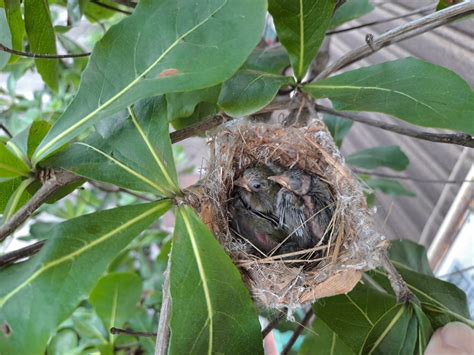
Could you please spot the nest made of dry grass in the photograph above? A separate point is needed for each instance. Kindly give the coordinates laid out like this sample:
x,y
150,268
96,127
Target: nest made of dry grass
x,y
353,242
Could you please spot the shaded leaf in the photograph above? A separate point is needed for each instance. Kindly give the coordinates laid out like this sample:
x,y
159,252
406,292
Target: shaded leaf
x,y
202,111
425,330
389,187
115,298
5,38
61,343
249,91
183,104
211,310
42,40
301,26
16,24
324,340
389,156
136,155
339,127
351,10
271,60
163,47
410,89
410,255
50,285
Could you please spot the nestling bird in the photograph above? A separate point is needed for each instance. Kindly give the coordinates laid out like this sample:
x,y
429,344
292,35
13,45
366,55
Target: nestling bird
x,y
317,200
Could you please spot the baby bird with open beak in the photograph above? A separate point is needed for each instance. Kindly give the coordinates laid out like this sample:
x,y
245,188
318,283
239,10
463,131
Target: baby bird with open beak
x,y
318,204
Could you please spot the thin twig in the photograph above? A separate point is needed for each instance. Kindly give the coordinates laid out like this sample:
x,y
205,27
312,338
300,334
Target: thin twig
x,y
403,177
296,334
108,7
42,56
131,332
401,33
14,256
5,129
49,188
125,3
378,22
458,138
114,189
457,271
270,326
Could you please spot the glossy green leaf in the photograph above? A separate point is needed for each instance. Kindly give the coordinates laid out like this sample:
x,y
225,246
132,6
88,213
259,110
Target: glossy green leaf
x,y
271,60
249,91
17,199
11,165
301,26
5,38
183,104
352,316
48,287
351,10
410,89
389,187
115,298
323,340
410,255
136,155
42,40
211,310
390,333
389,156
16,24
339,127
165,46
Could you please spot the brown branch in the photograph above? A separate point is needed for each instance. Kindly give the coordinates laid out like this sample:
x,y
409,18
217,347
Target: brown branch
x,y
378,22
401,33
131,332
5,129
402,177
42,56
50,186
14,256
108,7
459,138
270,326
296,334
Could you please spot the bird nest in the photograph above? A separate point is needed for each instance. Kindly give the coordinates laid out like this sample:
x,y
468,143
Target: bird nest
x,y
291,280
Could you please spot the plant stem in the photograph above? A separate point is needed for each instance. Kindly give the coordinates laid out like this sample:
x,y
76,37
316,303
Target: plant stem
x,y
42,56
14,256
296,334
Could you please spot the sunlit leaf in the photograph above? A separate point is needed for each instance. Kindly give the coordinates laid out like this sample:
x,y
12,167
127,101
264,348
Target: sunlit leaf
x,y
11,165
249,91
301,26
166,46
388,156
211,310
48,287
409,89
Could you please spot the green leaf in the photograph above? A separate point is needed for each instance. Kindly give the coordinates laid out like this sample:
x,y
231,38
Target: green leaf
x,y
271,60
135,155
5,38
410,255
351,10
48,287
202,111
42,40
390,332
37,132
442,4
115,298
75,9
389,156
63,342
352,316
11,165
211,310
339,127
425,330
409,89
17,199
389,187
17,27
183,104
163,47
249,91
325,340
7,188
301,26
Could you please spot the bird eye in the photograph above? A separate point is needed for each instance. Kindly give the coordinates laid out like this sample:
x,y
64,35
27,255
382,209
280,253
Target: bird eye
x,y
256,185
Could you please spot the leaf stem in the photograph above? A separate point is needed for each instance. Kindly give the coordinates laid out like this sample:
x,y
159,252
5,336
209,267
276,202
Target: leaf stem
x,y
41,56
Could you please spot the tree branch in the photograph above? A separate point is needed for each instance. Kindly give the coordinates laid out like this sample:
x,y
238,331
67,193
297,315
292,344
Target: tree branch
x,y
401,33
5,129
108,7
458,138
50,186
42,56
14,256
131,332
296,334
402,177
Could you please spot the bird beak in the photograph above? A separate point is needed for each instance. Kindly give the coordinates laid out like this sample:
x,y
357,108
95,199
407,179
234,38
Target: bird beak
x,y
280,179
242,183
